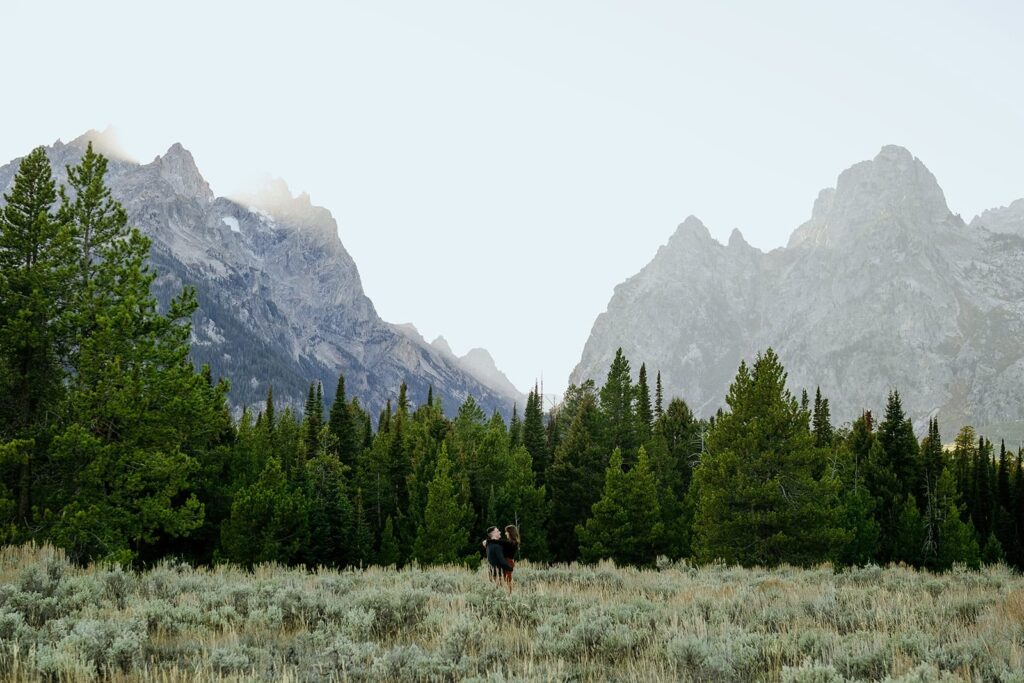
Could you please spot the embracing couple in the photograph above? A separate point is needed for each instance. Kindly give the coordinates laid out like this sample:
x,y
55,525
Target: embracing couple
x,y
501,553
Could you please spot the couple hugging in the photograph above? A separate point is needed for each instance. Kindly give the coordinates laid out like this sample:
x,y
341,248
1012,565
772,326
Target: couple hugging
x,y
501,553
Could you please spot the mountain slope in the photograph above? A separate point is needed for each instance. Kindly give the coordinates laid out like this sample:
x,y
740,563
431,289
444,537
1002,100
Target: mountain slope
x,y
281,301
882,288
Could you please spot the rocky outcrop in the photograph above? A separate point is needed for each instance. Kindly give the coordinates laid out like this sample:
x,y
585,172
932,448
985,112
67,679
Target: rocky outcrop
x,y
882,288
281,301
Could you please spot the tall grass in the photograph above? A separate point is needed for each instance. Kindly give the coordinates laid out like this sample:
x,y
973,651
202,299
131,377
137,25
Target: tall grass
x,y
715,623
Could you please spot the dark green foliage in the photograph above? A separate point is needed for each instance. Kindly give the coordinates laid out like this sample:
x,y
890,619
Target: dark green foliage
x,y
389,553
644,414
617,409
444,532
268,521
821,423
342,426
576,476
626,523
534,436
331,517
759,500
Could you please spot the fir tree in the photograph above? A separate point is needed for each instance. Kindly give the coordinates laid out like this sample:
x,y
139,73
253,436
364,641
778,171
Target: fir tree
x,y
909,534
659,397
618,415
515,429
821,424
984,507
534,435
626,524
342,426
313,420
644,415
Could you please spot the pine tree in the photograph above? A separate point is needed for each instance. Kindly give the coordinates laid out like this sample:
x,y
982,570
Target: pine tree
x,y
342,426
268,521
444,533
673,451
534,435
576,478
644,415
893,472
758,500
618,414
626,522
37,264
951,540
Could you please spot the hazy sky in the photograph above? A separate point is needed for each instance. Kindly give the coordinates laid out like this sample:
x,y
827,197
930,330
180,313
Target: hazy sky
x,y
496,168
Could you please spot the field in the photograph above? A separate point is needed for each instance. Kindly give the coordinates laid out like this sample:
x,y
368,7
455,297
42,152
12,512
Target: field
x,y
716,623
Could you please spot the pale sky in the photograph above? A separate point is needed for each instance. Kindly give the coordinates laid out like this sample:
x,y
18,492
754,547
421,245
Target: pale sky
x,y
496,168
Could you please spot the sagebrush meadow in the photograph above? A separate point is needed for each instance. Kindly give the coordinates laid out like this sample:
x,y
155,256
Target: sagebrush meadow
x,y
59,621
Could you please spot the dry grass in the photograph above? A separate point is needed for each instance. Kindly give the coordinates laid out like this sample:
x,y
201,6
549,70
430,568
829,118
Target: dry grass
x,y
176,623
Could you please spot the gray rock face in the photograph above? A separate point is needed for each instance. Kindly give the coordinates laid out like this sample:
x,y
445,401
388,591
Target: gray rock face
x,y
281,302
883,288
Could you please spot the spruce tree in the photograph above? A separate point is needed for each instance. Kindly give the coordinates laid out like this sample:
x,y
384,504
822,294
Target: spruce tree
x,y
362,537
983,495
313,420
342,426
515,429
626,524
909,534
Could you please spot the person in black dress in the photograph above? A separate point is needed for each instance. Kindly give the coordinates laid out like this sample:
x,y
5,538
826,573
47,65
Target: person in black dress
x,y
495,553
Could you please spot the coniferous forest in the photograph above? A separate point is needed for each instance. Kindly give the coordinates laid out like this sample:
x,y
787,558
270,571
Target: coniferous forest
x,y
114,447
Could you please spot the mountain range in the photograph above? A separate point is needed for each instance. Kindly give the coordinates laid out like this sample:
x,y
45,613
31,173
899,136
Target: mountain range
x,y
883,288
280,299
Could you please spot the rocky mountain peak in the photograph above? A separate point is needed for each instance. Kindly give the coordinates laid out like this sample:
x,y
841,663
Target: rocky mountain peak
x,y
178,168
275,197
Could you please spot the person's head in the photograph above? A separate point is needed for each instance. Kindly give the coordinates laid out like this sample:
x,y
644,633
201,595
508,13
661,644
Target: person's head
x,y
494,533
513,534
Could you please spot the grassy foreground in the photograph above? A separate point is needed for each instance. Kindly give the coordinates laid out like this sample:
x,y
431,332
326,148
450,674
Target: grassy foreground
x,y
61,622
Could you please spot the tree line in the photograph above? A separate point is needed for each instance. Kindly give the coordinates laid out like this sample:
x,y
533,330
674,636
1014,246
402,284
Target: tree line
x,y
114,447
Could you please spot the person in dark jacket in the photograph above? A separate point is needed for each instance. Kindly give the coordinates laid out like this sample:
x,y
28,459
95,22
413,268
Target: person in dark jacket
x,y
510,545
495,554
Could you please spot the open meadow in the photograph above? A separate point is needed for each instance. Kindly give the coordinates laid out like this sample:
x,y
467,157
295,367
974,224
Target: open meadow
x,y
715,623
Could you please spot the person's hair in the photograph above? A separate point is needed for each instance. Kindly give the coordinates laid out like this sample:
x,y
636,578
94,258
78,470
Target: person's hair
x,y
490,529
513,534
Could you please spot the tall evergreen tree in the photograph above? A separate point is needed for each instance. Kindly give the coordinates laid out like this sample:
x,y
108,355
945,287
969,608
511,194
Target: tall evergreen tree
x,y
534,436
758,498
983,495
37,263
268,521
342,426
617,408
576,477
821,424
626,523
515,428
330,514
313,420
659,397
644,414
444,532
